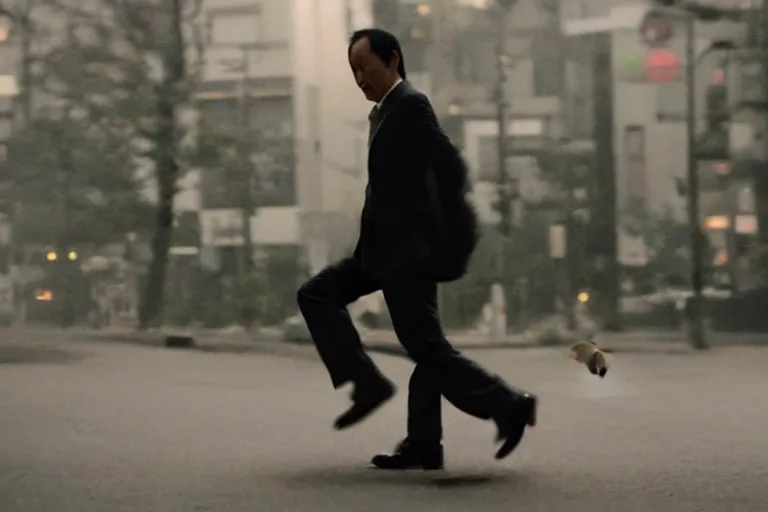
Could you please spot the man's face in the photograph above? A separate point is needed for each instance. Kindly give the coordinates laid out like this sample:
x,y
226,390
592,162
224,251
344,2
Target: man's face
x,y
372,76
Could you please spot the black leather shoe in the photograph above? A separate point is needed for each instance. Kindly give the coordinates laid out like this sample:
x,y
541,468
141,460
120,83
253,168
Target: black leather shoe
x,y
366,398
512,422
409,455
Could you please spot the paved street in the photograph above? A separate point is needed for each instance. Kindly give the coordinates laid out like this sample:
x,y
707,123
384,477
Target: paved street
x,y
110,428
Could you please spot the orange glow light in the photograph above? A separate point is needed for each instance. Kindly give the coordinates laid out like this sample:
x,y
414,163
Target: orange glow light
x,y
717,222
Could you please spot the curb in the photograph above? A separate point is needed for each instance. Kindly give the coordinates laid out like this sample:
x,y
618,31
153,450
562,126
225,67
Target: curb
x,y
270,344
398,350
274,347
265,346
638,342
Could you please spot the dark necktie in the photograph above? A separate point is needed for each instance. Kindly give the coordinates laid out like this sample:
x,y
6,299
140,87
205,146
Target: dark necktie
x,y
373,122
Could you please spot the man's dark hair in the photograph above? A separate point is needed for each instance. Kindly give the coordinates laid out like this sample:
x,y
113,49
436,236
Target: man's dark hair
x,y
383,44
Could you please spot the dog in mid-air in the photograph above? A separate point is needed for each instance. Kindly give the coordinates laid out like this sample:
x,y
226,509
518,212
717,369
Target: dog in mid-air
x,y
588,353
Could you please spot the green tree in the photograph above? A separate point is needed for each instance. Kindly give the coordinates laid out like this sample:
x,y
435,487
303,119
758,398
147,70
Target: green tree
x,y
75,185
131,66
242,164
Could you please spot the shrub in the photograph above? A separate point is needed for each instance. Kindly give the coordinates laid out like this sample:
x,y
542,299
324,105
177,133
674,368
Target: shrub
x,y
247,299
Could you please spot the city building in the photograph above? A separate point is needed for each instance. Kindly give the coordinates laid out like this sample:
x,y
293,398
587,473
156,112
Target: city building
x,y
451,48
290,55
285,63
649,89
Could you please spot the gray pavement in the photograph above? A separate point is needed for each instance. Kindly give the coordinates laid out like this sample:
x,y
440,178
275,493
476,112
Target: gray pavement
x,y
117,427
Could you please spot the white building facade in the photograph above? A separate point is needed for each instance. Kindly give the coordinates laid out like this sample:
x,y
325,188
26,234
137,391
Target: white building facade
x,y
300,88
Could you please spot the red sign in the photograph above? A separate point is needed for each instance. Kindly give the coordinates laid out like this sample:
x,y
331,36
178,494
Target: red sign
x,y
661,65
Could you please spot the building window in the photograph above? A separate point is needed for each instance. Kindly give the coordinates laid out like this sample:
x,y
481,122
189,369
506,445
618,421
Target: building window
x,y
635,143
468,54
548,64
234,25
578,116
745,200
272,116
548,76
272,153
220,111
385,13
634,159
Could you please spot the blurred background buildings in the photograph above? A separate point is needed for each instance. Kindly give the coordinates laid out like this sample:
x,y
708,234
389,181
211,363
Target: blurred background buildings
x,y
277,71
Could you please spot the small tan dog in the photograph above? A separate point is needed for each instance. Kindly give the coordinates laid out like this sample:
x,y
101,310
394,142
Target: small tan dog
x,y
588,353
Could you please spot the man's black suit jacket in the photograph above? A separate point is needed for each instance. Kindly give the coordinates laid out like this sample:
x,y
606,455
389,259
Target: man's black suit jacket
x,y
416,218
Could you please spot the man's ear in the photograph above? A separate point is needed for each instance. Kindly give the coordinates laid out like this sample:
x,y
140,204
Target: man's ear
x,y
394,62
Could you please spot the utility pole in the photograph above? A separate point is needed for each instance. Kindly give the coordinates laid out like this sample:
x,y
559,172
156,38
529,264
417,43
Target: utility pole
x,y
696,316
687,16
505,210
244,162
604,219
499,291
63,245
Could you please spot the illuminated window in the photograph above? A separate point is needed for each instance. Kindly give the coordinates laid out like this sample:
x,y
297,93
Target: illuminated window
x,y
745,200
717,223
423,9
719,76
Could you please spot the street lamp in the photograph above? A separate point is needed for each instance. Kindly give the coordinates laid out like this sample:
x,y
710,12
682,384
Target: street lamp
x,y
502,112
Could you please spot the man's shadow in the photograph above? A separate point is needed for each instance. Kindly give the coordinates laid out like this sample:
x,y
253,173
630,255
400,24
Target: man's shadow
x,y
363,476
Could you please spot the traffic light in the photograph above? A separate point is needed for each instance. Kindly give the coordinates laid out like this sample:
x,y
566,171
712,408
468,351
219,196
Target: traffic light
x,y
657,28
714,143
717,105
